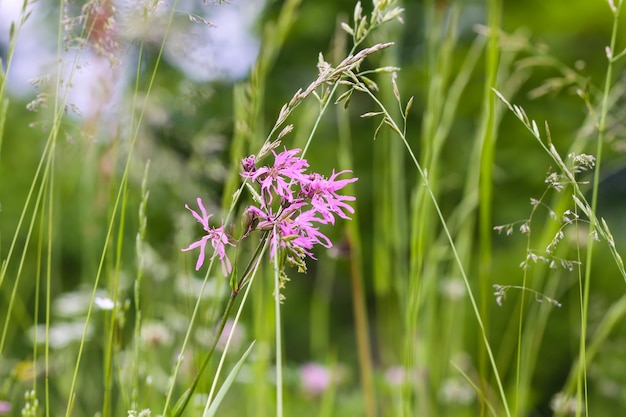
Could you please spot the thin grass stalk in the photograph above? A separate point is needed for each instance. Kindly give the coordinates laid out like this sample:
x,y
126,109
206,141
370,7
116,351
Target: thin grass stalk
x,y
38,279
423,175
260,392
422,227
74,379
443,49
513,82
37,205
358,291
471,197
360,318
582,391
249,99
356,261
116,204
13,36
4,108
388,241
536,318
31,191
424,291
48,292
263,63
494,10
248,107
438,118
520,395
412,310
58,114
388,186
139,250
535,321
328,399
245,279
182,403
462,220
353,237
618,309
278,330
232,331
114,291
325,273
48,156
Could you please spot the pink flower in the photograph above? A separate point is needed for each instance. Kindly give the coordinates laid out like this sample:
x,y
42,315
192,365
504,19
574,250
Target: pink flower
x,y
306,201
315,378
397,376
307,234
248,165
217,236
294,230
287,170
294,227
5,407
324,197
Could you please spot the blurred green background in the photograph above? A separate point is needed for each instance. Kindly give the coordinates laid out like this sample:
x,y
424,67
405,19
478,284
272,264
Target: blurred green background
x,y
550,50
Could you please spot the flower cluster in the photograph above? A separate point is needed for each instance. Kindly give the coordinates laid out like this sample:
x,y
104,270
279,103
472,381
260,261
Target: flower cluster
x,y
291,205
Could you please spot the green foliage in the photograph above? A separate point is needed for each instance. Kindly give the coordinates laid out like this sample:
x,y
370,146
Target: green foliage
x,y
445,294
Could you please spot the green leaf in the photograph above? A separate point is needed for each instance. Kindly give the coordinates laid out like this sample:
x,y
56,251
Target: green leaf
x,y
227,383
180,404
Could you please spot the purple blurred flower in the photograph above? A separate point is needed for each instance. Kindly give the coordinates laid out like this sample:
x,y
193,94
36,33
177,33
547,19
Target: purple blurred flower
x,y
396,375
315,378
216,235
5,407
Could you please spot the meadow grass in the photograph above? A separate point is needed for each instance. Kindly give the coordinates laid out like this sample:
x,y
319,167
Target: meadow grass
x,y
423,306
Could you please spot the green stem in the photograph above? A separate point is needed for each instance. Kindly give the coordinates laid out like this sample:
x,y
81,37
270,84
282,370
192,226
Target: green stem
x,y
582,376
184,400
486,182
279,341
245,280
48,294
361,323
424,176
361,319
